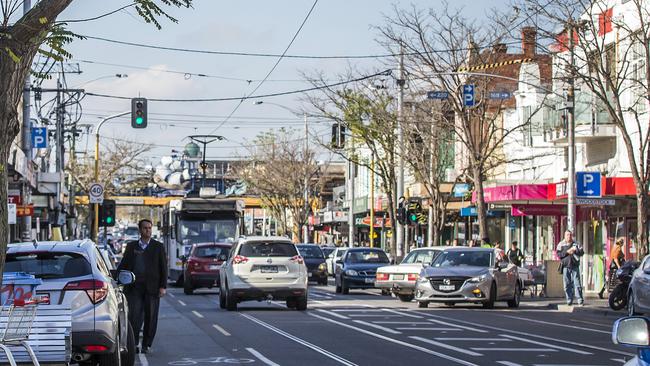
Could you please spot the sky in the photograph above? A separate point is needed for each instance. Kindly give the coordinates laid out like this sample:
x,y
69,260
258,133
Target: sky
x,y
335,27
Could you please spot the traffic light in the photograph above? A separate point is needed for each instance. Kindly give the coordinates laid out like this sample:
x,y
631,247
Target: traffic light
x,y
107,213
338,136
414,211
139,113
401,212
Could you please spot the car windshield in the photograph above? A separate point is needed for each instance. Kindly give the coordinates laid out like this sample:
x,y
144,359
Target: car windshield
x,y
48,265
132,231
310,252
367,256
421,256
268,249
463,258
207,231
209,251
341,253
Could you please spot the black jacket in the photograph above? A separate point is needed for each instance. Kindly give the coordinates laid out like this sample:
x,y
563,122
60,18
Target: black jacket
x,y
155,265
568,260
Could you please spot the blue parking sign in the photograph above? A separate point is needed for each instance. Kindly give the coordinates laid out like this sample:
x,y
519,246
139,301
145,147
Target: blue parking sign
x,y
39,137
468,95
588,184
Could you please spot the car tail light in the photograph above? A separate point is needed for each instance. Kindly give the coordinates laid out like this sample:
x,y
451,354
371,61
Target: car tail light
x,y
193,264
382,276
413,276
239,259
95,348
297,259
95,289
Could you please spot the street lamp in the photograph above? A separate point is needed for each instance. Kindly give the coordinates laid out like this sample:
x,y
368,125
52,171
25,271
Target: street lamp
x,y
119,76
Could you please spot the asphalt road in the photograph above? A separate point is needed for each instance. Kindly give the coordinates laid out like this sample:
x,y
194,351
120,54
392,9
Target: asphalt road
x,y
365,328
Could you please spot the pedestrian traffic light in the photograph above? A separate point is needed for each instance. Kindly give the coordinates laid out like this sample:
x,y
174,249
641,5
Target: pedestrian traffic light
x,y
107,213
139,112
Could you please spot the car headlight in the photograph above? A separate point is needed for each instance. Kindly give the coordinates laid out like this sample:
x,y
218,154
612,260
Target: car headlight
x,y
322,267
351,272
478,279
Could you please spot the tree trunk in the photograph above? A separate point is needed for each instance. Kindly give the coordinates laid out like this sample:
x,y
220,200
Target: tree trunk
x,y
641,221
481,209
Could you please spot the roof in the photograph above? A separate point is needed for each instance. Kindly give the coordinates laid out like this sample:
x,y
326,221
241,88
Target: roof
x,y
365,248
50,246
213,244
471,249
265,238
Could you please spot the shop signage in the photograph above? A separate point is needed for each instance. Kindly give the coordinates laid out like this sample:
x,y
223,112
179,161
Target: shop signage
x,y
461,189
12,213
473,212
538,210
596,201
27,210
560,189
129,201
15,199
378,221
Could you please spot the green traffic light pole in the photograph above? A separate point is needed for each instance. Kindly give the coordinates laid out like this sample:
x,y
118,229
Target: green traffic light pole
x,y
95,226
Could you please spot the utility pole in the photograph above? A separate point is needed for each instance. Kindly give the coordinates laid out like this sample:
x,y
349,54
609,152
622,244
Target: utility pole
x,y
432,175
305,227
570,103
351,172
372,201
27,144
59,151
400,150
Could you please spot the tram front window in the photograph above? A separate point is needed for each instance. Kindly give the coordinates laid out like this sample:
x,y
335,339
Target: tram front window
x,y
207,231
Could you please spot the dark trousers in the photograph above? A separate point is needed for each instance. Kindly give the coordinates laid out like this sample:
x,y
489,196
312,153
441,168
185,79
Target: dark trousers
x,y
143,307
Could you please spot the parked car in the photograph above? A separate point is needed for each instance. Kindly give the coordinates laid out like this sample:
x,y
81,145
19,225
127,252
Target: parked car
x,y
400,279
327,250
75,273
634,332
332,258
638,294
357,268
264,268
474,275
315,261
203,264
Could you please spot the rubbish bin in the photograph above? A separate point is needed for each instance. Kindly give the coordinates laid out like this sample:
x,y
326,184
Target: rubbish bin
x,y
18,286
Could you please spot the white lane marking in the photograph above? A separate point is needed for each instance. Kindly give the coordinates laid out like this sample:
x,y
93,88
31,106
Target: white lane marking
x,y
261,357
143,359
619,360
320,296
443,345
473,329
473,339
198,315
528,334
220,329
373,316
171,294
407,323
515,349
438,329
609,326
182,303
314,347
388,339
331,313
387,330
321,302
508,363
403,313
358,310
520,339
558,324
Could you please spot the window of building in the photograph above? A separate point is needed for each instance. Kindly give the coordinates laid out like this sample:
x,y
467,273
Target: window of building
x,y
637,78
605,22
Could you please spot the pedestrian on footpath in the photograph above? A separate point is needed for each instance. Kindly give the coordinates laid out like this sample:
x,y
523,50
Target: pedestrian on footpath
x,y
147,259
515,255
485,243
570,252
617,258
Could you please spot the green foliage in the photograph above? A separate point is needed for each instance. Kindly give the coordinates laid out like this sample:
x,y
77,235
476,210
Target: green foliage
x,y
150,11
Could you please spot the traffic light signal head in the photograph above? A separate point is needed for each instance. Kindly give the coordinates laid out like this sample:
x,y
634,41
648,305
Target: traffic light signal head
x,y
107,213
139,112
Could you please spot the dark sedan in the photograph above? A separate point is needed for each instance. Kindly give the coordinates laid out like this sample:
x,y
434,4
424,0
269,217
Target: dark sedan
x,y
315,261
202,266
357,269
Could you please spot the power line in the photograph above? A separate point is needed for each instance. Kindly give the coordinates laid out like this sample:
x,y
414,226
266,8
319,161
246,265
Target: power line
x,y
97,17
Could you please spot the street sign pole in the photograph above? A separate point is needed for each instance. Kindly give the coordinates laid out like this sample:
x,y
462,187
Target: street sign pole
x,y
571,202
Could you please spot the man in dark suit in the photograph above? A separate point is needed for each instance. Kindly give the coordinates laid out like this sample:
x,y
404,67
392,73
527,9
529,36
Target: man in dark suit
x,y
147,259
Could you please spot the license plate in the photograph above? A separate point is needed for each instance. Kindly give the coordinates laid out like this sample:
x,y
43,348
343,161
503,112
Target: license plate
x,y
370,280
269,269
447,287
214,267
398,277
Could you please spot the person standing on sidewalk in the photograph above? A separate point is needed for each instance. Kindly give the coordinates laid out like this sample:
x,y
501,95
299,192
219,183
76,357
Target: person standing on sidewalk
x,y
515,255
147,259
570,252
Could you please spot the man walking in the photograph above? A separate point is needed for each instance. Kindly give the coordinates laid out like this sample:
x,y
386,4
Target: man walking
x,y
515,255
146,258
570,252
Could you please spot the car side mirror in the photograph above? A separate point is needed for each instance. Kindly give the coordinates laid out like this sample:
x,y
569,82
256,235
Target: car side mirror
x,y
632,331
125,277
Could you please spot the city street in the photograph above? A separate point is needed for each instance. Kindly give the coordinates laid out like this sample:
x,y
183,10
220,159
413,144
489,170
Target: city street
x,y
365,328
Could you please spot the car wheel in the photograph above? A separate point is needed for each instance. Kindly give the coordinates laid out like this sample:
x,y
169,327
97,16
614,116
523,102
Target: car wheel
x,y
405,298
114,358
301,303
631,305
489,304
385,292
344,287
128,356
423,304
292,302
222,298
323,282
188,289
514,303
231,302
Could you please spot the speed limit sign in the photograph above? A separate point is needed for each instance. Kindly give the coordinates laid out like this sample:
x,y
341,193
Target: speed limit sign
x,y
96,193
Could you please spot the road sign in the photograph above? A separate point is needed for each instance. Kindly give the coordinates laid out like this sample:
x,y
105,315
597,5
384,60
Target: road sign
x,y
588,185
96,193
500,95
437,95
39,137
596,201
461,189
468,95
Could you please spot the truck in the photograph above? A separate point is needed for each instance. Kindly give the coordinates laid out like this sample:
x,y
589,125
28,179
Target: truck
x,y
195,220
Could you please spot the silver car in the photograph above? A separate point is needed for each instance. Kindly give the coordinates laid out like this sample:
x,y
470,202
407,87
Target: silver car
x,y
638,294
470,275
75,273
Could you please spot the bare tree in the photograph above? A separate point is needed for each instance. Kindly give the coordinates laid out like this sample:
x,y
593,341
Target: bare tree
x,y
278,164
21,38
441,48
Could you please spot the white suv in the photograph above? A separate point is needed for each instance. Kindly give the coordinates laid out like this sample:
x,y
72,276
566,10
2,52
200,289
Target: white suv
x,y
264,268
